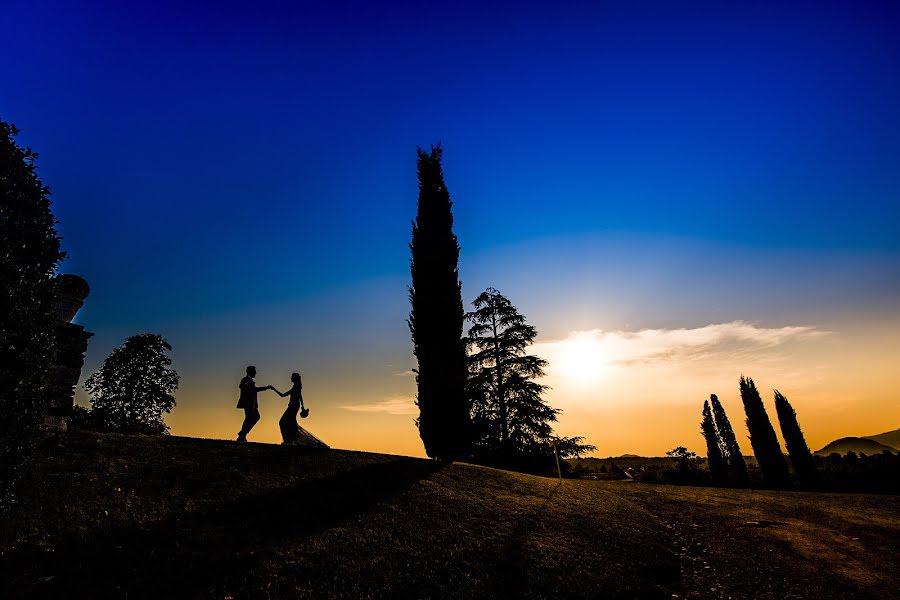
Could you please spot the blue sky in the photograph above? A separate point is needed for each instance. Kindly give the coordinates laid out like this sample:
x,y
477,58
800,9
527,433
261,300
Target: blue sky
x,y
242,179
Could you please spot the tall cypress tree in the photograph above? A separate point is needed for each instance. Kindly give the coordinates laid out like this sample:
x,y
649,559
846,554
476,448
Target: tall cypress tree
x,y
762,436
729,445
437,315
801,457
718,466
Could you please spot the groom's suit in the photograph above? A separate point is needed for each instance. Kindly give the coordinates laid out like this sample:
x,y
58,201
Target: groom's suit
x,y
248,401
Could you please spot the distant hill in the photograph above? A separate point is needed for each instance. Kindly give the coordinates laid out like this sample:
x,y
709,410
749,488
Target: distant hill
x,y
891,438
855,444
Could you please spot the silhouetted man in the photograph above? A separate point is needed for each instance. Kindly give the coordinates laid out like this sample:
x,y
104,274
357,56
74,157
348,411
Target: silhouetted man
x,y
248,402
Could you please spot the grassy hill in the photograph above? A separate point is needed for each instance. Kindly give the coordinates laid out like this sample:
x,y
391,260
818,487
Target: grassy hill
x,y
107,516
854,444
889,438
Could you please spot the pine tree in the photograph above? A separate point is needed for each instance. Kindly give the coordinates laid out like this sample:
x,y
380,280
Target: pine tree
x,y
762,436
718,466
731,451
512,421
801,457
29,256
436,317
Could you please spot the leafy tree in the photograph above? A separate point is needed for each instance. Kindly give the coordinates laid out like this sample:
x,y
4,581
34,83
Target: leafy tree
x,y
718,466
801,457
731,451
762,436
133,387
512,422
436,317
84,419
29,255
687,468
684,457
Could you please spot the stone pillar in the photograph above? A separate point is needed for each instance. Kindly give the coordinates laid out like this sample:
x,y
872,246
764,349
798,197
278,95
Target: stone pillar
x,y
71,345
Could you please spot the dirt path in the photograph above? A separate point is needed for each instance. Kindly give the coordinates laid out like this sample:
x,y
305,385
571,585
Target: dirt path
x,y
740,544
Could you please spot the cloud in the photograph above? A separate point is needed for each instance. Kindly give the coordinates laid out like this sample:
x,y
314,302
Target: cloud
x,y
737,340
396,405
626,378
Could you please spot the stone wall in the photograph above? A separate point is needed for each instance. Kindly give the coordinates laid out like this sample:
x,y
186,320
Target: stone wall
x,y
71,345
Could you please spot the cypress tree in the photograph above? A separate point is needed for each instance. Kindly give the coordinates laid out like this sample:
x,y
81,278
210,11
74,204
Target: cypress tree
x,y
801,457
718,466
436,317
728,443
762,436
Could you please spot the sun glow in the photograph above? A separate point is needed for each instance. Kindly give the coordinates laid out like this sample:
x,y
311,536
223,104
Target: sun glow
x,y
580,360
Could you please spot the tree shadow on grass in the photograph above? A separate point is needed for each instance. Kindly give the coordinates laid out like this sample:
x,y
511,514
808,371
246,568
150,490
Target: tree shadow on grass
x,y
512,575
195,554
644,570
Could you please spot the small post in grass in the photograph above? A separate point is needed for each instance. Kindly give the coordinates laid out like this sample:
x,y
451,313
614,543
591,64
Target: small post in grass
x,y
555,443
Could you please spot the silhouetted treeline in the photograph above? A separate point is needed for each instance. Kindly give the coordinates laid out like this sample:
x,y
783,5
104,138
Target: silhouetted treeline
x,y
29,256
876,473
436,317
718,466
801,457
762,436
727,464
723,450
879,473
688,468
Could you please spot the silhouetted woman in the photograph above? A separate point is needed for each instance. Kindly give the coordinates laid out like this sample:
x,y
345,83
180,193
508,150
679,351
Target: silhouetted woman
x,y
290,431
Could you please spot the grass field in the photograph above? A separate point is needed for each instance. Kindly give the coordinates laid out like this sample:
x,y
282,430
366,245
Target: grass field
x,y
99,516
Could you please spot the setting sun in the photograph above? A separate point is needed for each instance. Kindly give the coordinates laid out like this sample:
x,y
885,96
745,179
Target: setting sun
x,y
580,360
450,300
